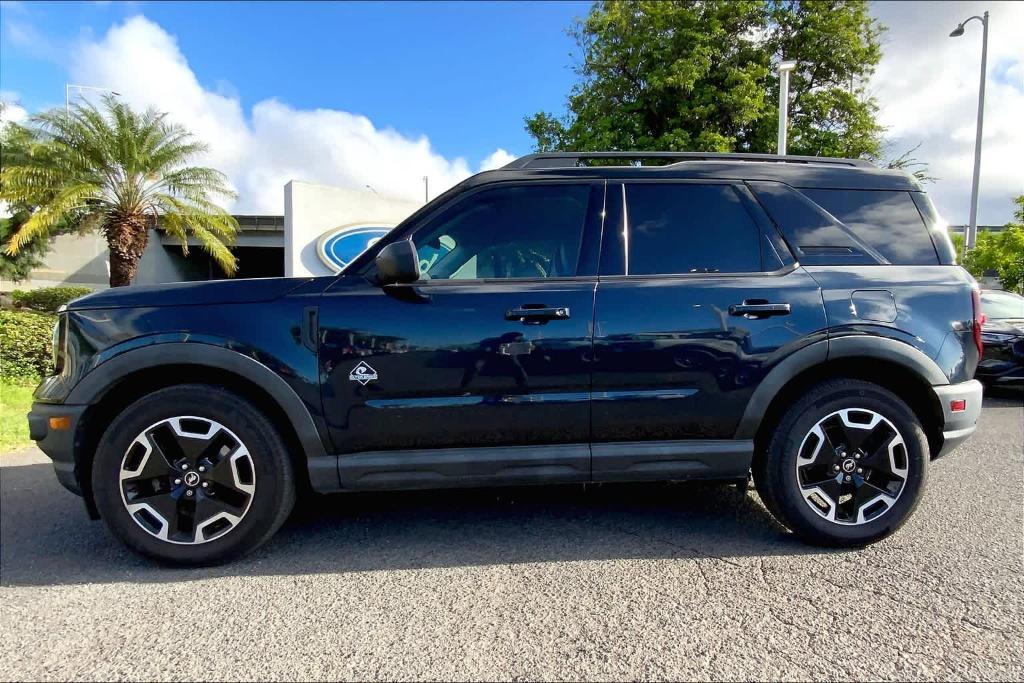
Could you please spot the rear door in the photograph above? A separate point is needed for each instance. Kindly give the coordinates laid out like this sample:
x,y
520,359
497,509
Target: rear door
x,y
491,348
698,298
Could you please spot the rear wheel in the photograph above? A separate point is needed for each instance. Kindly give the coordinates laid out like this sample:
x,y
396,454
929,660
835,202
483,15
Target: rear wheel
x,y
192,474
846,465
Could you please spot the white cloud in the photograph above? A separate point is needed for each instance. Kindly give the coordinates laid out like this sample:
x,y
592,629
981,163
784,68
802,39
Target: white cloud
x,y
497,159
927,86
12,109
274,143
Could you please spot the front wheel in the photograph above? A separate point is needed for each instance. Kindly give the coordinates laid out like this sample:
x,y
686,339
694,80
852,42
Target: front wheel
x,y
846,465
192,475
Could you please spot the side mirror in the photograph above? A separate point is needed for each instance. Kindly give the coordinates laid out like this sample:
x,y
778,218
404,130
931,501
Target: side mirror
x,y
398,263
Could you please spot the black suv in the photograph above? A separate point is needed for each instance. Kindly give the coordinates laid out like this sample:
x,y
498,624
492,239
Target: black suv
x,y
567,318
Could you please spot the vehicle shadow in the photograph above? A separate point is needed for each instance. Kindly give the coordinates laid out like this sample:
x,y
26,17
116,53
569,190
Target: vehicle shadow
x,y
46,538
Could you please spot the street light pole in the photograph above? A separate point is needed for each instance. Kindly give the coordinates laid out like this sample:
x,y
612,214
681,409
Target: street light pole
x,y
784,69
67,94
972,229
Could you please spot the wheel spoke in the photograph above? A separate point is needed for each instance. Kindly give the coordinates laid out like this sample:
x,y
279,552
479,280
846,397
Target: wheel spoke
x,y
187,480
866,471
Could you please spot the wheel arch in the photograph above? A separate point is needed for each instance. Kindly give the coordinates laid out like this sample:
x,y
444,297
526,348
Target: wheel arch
x,y
115,384
906,372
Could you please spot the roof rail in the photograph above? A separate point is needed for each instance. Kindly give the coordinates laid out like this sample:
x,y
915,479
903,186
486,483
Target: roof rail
x,y
572,159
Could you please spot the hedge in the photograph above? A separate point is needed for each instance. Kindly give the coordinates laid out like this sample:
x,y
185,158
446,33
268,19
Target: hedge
x,y
25,344
47,299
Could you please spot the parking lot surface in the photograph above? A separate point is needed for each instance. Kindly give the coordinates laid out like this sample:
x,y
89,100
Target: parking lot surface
x,y
653,581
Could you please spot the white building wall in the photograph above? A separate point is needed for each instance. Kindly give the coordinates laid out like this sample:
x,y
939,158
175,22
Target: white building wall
x,y
311,210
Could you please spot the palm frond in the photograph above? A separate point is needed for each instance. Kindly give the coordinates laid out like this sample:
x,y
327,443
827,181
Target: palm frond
x,y
115,164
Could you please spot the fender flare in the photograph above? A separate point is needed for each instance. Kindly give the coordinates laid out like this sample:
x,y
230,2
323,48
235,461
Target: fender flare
x,y
862,346
323,470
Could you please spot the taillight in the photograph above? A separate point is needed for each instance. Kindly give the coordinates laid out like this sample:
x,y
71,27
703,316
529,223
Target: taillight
x,y
978,321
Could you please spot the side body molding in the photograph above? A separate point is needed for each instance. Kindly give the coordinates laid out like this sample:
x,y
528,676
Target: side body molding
x,y
864,346
323,467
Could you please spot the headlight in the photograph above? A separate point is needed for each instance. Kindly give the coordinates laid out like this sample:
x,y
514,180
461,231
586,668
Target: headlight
x,y
59,341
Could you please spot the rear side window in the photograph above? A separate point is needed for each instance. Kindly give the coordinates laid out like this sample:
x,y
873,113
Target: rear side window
x,y
886,220
687,228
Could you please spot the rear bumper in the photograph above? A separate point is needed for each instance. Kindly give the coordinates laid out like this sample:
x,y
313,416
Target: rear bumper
x,y
958,426
58,444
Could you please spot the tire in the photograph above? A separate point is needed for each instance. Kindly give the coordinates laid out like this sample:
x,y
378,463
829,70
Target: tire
x,y
192,475
846,465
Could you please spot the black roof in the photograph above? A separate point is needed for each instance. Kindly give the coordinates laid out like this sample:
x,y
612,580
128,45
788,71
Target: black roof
x,y
797,171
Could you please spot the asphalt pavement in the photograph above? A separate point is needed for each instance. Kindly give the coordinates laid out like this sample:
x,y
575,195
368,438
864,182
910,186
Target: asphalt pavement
x,y
689,581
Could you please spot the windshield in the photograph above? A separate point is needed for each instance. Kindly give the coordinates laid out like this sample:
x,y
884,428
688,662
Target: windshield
x,y
997,305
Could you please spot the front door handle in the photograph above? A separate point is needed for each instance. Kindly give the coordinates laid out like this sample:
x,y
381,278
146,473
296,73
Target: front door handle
x,y
536,315
753,309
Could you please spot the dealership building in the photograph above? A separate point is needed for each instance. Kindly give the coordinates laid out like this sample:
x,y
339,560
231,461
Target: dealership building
x,y
266,245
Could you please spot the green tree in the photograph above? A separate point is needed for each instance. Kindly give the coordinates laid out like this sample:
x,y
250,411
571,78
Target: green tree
x,y
700,76
15,141
1000,252
118,171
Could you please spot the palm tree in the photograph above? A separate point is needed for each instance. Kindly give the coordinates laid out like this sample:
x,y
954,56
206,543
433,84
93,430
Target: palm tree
x,y
119,171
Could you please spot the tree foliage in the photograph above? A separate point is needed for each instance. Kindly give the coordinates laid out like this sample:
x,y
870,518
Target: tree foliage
x,y
1001,253
701,76
118,170
15,141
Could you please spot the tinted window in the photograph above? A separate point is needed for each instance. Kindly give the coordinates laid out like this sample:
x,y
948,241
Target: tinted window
x,y
688,228
529,231
809,229
888,221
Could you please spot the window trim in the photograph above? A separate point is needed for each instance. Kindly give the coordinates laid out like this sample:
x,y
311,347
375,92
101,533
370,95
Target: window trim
x,y
755,212
592,221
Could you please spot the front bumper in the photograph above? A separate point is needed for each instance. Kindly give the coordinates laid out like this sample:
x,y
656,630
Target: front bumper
x,y
58,443
960,425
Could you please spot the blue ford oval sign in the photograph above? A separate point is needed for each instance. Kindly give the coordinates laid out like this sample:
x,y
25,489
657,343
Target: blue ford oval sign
x,y
339,246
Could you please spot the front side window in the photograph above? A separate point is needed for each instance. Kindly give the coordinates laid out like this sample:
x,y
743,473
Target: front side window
x,y
526,231
677,228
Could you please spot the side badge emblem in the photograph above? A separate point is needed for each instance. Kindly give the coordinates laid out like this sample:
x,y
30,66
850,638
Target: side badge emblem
x,y
363,373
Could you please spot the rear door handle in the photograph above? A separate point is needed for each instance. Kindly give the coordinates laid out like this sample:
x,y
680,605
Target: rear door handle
x,y
537,315
758,308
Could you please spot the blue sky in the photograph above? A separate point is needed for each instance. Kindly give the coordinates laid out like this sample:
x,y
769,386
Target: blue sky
x,y
351,94
465,74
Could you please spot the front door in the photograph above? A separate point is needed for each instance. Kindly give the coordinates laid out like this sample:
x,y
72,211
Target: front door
x,y
489,352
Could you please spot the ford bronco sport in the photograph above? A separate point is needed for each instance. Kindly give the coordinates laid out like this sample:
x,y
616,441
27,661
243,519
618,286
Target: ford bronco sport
x,y
567,318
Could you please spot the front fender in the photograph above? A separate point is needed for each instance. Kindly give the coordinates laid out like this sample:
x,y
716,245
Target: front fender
x,y
108,374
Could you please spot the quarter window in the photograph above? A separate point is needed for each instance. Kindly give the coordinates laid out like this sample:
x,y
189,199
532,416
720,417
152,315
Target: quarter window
x,y
888,221
530,231
688,228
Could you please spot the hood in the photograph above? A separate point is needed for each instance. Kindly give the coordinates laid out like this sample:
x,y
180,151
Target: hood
x,y
205,293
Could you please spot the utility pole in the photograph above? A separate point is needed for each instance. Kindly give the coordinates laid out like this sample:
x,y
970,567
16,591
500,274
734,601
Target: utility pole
x,y
426,189
784,69
972,230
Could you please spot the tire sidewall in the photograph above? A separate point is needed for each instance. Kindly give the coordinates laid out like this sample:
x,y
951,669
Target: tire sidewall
x,y
799,422
272,497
